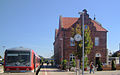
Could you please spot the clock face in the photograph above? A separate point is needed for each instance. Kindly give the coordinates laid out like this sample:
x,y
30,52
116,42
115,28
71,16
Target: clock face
x,y
77,37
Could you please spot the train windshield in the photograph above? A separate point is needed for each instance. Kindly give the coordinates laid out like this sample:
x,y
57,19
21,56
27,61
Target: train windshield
x,y
17,58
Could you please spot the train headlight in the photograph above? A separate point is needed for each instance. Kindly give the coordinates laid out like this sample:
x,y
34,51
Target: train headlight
x,y
27,69
7,69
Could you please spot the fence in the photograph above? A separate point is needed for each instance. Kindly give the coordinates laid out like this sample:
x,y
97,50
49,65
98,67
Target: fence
x,y
108,67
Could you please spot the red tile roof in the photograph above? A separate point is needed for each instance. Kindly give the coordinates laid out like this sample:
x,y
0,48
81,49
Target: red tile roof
x,y
69,21
98,26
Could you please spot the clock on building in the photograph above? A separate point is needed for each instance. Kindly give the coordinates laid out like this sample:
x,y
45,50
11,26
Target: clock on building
x,y
77,37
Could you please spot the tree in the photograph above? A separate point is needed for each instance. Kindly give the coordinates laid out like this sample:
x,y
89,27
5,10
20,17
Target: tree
x,y
115,54
41,59
52,61
113,65
88,44
86,62
0,56
52,57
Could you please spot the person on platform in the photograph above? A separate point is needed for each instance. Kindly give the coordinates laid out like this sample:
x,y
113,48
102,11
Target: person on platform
x,y
91,67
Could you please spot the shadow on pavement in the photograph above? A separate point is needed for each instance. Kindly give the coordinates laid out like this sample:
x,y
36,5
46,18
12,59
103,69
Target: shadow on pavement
x,y
48,66
53,69
38,69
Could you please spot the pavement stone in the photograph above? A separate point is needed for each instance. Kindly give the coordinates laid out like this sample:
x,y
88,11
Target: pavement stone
x,y
47,70
55,71
1,69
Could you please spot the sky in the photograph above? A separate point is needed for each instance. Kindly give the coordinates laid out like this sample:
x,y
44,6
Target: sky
x,y
32,23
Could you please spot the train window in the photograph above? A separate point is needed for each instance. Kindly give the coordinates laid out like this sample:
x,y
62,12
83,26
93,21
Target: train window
x,y
18,58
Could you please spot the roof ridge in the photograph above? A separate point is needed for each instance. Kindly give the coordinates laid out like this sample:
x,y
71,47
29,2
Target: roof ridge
x,y
69,21
70,17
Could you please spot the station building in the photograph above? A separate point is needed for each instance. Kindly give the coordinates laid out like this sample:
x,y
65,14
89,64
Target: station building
x,y
63,48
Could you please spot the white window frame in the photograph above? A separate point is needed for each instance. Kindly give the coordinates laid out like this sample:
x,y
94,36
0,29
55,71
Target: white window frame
x,y
96,41
72,42
71,56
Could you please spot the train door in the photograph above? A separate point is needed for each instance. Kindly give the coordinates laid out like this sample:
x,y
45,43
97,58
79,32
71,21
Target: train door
x,y
34,63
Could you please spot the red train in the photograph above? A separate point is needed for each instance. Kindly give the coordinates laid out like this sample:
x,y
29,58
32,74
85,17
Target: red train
x,y
21,60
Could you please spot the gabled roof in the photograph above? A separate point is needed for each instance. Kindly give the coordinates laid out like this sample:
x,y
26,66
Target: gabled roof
x,y
98,26
69,21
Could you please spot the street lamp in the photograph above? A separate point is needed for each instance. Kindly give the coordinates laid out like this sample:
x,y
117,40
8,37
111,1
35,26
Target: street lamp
x,y
77,37
82,13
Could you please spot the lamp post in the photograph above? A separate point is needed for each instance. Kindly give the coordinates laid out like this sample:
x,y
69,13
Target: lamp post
x,y
77,37
82,13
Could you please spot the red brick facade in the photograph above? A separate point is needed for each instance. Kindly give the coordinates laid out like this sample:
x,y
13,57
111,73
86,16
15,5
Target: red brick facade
x,y
62,48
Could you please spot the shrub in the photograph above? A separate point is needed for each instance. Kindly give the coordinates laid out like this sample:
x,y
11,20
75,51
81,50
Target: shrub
x,y
73,63
52,62
64,64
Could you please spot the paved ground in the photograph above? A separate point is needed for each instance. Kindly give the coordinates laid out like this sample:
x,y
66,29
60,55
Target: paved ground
x,y
54,71
17,74
1,68
48,70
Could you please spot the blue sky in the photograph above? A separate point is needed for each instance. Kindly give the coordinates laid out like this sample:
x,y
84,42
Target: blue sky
x,y
32,23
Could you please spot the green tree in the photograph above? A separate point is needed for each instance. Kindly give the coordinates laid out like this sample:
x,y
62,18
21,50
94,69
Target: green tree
x,y
88,44
41,59
0,56
86,62
116,54
113,65
64,64
52,57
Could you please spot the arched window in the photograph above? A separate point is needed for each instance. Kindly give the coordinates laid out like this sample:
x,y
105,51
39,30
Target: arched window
x,y
98,55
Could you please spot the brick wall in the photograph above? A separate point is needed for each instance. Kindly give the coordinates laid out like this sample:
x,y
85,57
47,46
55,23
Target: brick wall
x,y
62,48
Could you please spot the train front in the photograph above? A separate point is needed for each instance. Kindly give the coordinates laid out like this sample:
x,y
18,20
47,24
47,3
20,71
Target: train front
x,y
18,60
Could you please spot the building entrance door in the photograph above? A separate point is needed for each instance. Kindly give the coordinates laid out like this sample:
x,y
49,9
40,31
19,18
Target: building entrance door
x,y
97,60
